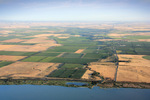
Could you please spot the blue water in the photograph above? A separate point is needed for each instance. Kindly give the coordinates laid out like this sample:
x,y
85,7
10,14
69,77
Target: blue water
x,y
44,92
76,83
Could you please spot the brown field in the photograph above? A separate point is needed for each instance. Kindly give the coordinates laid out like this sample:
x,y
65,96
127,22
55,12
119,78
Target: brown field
x,y
106,69
6,31
137,70
144,40
10,58
3,47
45,35
63,37
87,74
13,40
121,35
39,40
42,35
30,31
27,69
4,35
30,48
118,35
42,44
79,51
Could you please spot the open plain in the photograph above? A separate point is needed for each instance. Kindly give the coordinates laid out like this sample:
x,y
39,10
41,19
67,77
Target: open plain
x,y
99,52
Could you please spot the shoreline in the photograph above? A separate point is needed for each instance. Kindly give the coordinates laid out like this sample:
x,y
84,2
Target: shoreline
x,y
62,82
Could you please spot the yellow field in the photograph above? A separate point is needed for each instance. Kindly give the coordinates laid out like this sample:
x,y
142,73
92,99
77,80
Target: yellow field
x,y
56,35
5,47
79,51
6,31
106,69
87,74
137,70
10,58
144,40
27,69
43,43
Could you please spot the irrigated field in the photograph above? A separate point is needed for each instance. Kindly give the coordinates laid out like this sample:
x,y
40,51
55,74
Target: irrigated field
x,y
68,73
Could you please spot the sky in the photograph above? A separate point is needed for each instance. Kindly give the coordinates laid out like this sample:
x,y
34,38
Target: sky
x,y
75,10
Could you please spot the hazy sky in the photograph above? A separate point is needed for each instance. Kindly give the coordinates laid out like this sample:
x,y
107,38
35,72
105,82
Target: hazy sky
x,y
75,10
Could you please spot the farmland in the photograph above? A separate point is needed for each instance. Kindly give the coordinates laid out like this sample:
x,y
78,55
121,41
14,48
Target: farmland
x,y
81,52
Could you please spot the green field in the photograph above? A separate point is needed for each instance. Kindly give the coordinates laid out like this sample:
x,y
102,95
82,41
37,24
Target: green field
x,y
34,59
95,56
68,73
16,53
72,66
78,73
147,57
137,37
5,63
47,54
71,55
47,59
57,73
64,49
73,60
139,48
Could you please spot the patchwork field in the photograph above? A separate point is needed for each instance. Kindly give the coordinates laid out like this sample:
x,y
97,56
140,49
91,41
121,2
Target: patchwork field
x,y
91,51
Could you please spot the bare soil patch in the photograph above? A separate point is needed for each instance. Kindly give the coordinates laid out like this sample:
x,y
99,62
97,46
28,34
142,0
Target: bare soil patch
x,y
26,69
137,70
79,51
10,58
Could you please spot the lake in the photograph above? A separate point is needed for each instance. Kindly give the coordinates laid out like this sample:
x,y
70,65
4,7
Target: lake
x,y
45,92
